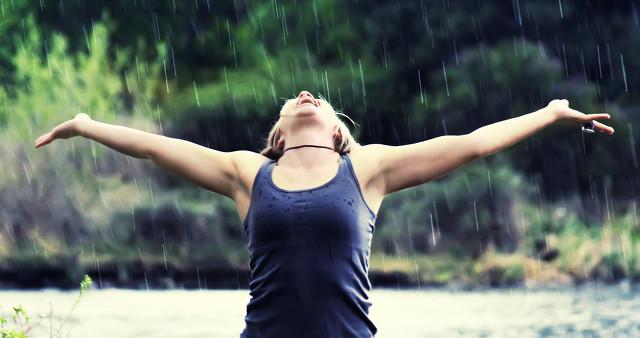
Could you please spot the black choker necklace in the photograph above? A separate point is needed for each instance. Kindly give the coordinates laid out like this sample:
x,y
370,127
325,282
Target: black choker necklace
x,y
307,145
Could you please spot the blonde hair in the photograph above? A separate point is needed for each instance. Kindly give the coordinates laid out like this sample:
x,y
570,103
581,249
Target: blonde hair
x,y
343,142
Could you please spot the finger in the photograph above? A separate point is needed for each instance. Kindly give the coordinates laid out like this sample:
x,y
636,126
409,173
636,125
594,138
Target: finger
x,y
592,117
603,127
38,141
46,141
43,142
575,112
42,137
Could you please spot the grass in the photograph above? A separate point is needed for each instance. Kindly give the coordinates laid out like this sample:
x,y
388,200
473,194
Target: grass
x,y
22,322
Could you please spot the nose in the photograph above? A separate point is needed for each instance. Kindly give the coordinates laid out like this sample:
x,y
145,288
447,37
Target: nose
x,y
304,93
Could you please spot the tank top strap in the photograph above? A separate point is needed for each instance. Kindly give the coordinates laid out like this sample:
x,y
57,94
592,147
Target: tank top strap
x,y
353,179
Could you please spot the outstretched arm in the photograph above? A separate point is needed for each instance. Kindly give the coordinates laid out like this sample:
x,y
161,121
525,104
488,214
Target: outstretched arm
x,y
400,167
500,135
211,169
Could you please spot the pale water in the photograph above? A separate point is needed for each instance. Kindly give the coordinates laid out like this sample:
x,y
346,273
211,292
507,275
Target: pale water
x,y
593,311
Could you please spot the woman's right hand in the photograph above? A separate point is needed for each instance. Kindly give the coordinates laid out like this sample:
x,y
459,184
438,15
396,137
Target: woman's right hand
x,y
66,129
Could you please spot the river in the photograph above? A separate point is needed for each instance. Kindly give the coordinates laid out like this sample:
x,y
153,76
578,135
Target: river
x,y
595,310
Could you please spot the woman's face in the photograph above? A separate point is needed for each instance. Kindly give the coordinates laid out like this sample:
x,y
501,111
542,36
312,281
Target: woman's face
x,y
306,110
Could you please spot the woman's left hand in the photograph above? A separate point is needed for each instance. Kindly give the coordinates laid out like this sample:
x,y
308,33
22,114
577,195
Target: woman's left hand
x,y
562,112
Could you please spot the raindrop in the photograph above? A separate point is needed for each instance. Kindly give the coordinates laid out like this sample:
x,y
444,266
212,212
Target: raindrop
x,y
599,62
126,81
173,61
624,74
133,219
315,13
384,51
560,6
610,63
150,190
564,57
226,81
517,12
326,79
632,145
475,212
455,52
433,235
93,249
364,92
159,120
198,276
293,78
624,252
417,275
146,282
164,256
138,69
606,201
285,32
166,81
584,67
237,277
195,90
420,85
26,173
444,71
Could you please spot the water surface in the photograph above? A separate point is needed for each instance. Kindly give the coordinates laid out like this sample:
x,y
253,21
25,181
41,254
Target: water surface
x,y
591,311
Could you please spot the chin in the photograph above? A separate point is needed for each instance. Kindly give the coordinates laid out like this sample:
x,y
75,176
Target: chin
x,y
306,111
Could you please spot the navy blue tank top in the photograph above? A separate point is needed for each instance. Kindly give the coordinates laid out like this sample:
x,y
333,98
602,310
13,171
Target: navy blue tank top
x,y
309,258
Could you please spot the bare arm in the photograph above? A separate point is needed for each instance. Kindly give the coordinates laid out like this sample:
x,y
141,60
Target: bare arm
x,y
400,167
211,169
404,166
129,141
503,134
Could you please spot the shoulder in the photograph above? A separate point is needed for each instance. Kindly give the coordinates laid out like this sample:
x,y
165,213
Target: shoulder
x,y
246,157
367,164
246,164
370,154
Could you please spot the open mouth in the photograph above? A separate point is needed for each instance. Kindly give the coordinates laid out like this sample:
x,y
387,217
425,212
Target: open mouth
x,y
307,100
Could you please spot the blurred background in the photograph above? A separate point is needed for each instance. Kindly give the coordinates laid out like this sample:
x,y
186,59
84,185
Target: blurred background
x,y
557,209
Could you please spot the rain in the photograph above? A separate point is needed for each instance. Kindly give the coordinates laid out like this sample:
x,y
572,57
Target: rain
x,y
138,142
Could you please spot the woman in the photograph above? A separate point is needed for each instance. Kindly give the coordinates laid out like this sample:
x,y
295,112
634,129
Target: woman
x,y
309,201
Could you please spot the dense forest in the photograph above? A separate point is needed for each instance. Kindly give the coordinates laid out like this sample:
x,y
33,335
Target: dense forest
x,y
560,206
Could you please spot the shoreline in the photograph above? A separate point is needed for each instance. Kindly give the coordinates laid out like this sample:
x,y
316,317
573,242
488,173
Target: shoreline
x,y
138,276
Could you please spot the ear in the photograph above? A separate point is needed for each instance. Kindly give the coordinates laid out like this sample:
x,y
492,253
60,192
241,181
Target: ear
x,y
337,134
280,142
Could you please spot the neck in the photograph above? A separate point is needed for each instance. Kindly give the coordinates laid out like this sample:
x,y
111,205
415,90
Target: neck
x,y
308,157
